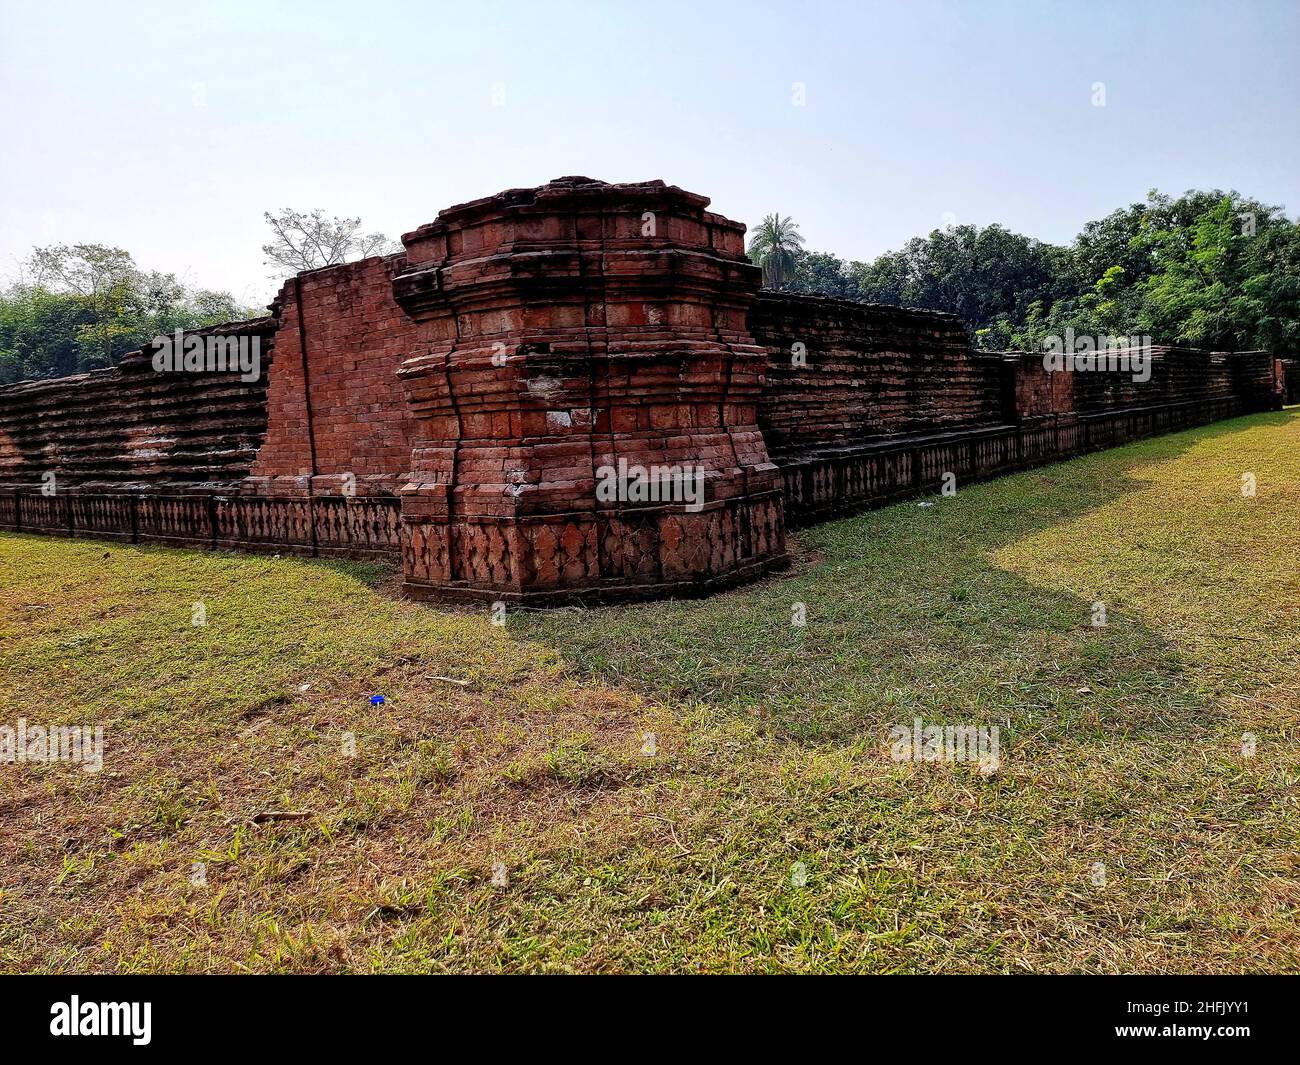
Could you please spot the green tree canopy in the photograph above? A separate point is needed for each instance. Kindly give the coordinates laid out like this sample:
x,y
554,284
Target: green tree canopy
x,y
774,246
1208,268
83,306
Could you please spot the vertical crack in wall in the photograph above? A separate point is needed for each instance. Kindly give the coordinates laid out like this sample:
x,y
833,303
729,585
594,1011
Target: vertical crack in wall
x,y
311,425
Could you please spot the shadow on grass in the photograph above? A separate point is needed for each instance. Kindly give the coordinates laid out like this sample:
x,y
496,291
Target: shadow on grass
x,y
908,614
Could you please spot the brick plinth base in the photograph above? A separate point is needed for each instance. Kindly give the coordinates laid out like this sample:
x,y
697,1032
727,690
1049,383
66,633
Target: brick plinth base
x,y
573,327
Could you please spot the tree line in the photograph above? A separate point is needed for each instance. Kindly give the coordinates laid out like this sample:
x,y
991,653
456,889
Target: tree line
x,y
81,307
1207,269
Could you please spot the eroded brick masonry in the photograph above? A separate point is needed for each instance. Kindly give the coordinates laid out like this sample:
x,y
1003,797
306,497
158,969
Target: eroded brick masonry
x,y
462,406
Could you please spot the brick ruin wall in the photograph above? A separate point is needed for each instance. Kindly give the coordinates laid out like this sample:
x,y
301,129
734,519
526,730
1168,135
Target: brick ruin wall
x,y
453,408
841,373
132,429
134,454
1291,381
339,412
881,402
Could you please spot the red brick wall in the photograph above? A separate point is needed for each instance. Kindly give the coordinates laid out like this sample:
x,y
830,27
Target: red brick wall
x,y
469,390
1037,393
134,428
871,372
1290,380
1178,375
352,419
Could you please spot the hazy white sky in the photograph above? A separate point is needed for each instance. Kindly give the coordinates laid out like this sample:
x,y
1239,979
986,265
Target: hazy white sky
x,y
168,129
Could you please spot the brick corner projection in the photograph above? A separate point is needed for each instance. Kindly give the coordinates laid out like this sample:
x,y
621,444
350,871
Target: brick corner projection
x,y
456,406
572,328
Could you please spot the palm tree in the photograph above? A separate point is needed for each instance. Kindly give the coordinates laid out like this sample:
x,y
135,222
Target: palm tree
x,y
773,247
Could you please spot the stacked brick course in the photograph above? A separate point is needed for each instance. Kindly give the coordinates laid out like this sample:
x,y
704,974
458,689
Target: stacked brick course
x,y
1180,375
454,406
1290,369
867,372
132,428
574,326
339,411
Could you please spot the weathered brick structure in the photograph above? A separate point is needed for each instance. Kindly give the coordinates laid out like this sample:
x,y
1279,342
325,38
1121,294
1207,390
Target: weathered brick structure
x,y
890,399
459,406
1291,380
567,328
336,411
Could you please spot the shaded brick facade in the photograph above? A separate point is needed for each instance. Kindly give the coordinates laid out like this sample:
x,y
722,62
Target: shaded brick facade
x,y
340,411
868,371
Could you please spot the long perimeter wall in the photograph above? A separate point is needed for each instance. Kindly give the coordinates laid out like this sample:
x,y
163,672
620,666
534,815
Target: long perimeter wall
x,y
459,406
882,402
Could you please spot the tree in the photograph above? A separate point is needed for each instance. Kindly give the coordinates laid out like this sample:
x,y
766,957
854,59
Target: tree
x,y
1208,268
101,279
819,272
38,333
773,247
1226,273
83,306
308,241
983,275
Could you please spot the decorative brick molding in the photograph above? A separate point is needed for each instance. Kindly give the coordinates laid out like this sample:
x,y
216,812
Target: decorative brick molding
x,y
364,527
574,326
457,407
826,484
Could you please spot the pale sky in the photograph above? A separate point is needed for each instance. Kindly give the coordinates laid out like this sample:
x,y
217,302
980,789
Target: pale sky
x,y
167,129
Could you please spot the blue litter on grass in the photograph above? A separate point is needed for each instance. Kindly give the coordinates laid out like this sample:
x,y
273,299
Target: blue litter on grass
x,y
376,700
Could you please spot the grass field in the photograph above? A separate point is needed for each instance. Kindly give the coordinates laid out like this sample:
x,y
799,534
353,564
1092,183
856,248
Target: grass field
x,y
1127,827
